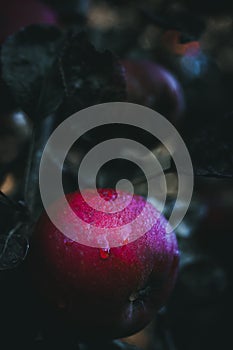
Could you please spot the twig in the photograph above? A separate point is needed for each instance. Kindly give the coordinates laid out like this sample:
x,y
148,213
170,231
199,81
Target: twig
x,y
40,136
214,175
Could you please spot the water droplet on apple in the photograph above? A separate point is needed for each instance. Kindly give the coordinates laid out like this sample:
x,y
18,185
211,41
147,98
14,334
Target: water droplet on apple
x,y
125,241
68,242
104,253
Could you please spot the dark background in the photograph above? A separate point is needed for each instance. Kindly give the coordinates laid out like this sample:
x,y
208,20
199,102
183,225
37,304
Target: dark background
x,y
193,41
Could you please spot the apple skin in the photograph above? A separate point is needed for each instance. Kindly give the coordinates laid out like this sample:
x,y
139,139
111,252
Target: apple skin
x,y
105,294
151,85
15,14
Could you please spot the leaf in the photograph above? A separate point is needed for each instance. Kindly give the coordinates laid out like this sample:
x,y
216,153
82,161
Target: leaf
x,y
13,249
212,149
89,77
27,59
39,66
13,227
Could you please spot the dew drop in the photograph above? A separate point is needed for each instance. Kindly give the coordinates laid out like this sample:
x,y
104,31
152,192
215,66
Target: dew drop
x,y
104,253
125,241
68,242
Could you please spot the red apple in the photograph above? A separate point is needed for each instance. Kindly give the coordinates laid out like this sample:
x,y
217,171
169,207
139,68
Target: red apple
x,y
152,85
15,14
105,292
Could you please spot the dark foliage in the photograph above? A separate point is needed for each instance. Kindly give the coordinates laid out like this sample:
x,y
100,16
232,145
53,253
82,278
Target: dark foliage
x,y
27,61
212,149
50,73
89,77
13,241
44,71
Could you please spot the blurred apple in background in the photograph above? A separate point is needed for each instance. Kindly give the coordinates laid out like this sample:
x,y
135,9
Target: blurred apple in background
x,y
16,14
152,85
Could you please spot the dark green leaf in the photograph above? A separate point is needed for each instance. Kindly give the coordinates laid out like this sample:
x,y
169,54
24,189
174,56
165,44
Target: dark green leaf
x,y
13,229
27,60
212,149
13,249
89,77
